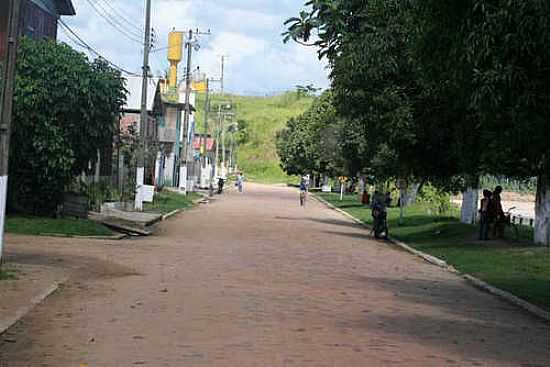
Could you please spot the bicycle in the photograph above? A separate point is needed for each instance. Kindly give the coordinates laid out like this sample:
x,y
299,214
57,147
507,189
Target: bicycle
x,y
510,225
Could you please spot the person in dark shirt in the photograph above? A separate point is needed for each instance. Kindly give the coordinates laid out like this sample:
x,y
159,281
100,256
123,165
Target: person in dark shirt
x,y
484,215
496,213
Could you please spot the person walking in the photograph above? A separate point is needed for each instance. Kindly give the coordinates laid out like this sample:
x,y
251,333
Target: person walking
x,y
240,182
303,191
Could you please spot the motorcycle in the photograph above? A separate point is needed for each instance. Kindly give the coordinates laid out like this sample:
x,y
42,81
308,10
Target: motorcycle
x,y
221,182
380,222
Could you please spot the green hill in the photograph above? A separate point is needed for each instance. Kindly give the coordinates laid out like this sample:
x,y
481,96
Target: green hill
x,y
263,116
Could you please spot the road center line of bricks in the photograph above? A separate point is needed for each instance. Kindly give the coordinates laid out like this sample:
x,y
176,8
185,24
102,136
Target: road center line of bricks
x,y
478,283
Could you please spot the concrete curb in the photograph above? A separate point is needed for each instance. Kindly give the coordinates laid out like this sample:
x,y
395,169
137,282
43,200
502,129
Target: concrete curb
x,y
23,311
177,211
478,283
115,237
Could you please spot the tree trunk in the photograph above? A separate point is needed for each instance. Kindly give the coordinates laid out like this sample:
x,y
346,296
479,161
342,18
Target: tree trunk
x,y
411,194
542,211
468,212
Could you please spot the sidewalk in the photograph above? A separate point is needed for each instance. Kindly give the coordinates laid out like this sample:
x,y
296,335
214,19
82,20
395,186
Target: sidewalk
x,y
32,284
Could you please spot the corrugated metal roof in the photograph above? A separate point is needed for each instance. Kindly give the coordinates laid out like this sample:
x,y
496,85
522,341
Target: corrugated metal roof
x,y
133,99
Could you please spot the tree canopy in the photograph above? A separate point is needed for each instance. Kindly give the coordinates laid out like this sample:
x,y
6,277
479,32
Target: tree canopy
x,y
65,110
437,89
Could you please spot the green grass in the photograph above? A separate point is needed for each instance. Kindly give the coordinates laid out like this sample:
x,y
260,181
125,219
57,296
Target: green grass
x,y
7,274
265,117
166,202
61,226
518,267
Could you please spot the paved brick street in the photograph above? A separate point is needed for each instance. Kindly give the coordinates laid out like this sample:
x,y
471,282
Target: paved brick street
x,y
255,280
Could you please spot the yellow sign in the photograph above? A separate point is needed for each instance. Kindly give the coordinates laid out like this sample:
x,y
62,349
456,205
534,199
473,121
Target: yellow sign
x,y
199,86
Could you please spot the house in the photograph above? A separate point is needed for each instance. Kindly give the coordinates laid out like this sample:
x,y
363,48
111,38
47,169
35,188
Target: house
x,y
172,137
164,131
130,121
38,18
204,146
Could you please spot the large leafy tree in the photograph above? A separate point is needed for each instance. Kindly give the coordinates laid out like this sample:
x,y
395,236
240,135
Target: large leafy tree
x,y
508,48
310,142
490,59
65,109
377,87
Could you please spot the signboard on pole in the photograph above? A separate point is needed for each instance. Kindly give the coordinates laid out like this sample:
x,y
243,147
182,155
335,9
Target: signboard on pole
x,y
147,193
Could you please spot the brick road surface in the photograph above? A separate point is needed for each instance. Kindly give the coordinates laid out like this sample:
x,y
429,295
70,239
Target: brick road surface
x,y
255,280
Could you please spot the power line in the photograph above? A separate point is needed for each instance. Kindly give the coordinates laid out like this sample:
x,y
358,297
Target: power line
x,y
79,41
122,17
114,23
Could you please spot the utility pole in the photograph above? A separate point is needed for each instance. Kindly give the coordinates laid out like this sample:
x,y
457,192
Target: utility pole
x,y
218,138
223,144
234,127
6,107
222,76
187,113
204,139
144,116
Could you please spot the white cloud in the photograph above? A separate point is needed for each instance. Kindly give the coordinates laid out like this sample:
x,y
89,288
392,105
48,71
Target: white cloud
x,y
247,31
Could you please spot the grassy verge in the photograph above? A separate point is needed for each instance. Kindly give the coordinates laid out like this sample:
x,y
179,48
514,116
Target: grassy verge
x,y
166,202
61,226
7,274
518,267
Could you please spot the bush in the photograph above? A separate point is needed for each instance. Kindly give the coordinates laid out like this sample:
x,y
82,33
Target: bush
x,y
437,200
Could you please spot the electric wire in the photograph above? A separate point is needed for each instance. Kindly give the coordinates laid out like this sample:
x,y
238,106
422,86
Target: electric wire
x,y
79,41
115,21
138,29
131,36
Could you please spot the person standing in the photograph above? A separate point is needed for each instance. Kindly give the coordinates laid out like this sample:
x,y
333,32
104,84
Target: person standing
x,y
484,216
497,213
365,198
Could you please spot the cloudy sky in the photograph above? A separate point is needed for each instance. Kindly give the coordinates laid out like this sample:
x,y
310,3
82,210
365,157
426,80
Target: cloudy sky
x,y
247,31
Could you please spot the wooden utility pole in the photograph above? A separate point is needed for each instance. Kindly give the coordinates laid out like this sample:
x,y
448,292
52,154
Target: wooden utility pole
x,y
6,103
144,117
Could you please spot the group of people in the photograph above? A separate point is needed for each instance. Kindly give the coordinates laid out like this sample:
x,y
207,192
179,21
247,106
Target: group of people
x,y
491,215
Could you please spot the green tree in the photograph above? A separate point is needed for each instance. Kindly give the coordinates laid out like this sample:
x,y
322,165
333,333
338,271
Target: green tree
x,y
492,57
377,88
310,142
65,108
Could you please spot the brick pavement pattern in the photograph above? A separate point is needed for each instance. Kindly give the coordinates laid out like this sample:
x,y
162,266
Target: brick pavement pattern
x,y
253,279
